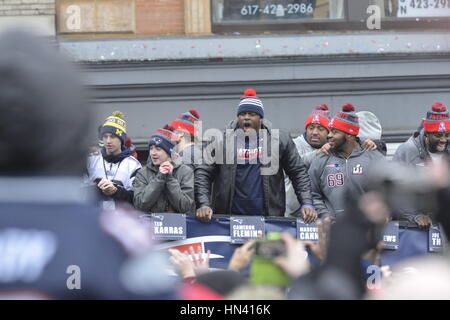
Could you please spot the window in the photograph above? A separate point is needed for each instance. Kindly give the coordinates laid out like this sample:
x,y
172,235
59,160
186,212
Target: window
x,y
247,16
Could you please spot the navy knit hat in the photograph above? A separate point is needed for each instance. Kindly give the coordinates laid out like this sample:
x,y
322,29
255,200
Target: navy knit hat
x,y
251,103
164,138
116,125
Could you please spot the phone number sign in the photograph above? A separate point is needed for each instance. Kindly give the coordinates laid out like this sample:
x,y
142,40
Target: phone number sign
x,y
271,9
424,8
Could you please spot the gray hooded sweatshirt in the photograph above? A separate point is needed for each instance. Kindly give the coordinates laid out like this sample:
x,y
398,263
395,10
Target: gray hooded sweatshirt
x,y
332,176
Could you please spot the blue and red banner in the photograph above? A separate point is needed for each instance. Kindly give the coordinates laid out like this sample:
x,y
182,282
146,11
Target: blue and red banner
x,y
215,236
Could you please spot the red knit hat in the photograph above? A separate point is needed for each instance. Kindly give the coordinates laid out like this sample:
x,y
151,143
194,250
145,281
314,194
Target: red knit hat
x,y
346,120
186,121
437,119
320,115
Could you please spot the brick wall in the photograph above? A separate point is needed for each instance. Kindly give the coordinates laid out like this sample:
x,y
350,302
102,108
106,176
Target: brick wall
x,y
159,17
27,7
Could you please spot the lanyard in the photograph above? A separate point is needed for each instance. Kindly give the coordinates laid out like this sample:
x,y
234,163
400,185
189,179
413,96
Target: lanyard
x,y
104,168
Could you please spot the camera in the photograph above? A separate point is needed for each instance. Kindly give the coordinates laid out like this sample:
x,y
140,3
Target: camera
x,y
270,249
262,270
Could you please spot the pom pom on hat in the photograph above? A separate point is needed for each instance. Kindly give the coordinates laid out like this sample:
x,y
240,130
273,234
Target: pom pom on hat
x,y
116,125
346,120
164,138
194,113
438,107
118,114
323,107
320,115
186,122
437,120
348,107
248,93
251,103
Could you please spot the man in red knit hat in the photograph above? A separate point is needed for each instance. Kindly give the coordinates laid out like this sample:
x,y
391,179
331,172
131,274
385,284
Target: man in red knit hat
x,y
344,169
311,144
430,143
186,130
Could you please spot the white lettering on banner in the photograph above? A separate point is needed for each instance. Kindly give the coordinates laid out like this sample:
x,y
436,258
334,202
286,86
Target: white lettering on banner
x,y
389,238
24,254
436,239
308,229
244,227
308,236
168,230
246,233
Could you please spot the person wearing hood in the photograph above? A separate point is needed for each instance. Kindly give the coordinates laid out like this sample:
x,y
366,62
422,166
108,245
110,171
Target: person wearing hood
x,y
113,169
430,143
164,185
370,131
251,181
344,170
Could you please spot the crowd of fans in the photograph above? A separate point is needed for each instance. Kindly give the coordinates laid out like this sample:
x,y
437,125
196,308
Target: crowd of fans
x,y
251,168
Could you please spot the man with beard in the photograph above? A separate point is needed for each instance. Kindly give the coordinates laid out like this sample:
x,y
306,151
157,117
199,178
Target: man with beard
x,y
250,185
313,142
113,169
344,170
428,144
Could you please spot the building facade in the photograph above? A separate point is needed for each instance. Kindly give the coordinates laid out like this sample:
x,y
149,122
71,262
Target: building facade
x,y
153,59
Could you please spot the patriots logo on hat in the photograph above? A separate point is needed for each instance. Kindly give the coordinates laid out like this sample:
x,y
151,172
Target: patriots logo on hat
x,y
441,127
157,140
331,123
316,119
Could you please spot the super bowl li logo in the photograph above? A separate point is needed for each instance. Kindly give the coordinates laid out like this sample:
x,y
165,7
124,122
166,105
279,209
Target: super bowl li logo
x,y
357,169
